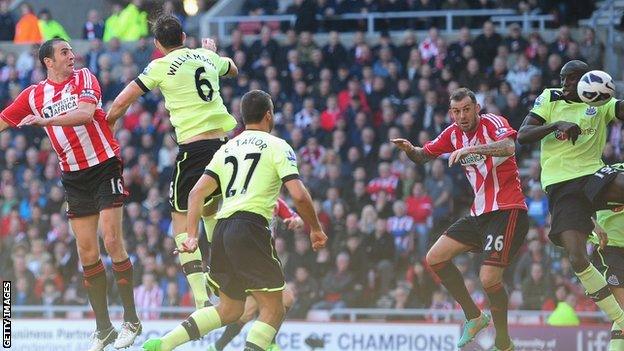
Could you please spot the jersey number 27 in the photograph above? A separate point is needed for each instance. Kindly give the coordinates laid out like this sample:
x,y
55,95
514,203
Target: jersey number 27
x,y
255,157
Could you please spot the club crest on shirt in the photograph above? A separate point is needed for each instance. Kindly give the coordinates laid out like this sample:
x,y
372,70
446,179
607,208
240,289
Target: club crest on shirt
x,y
64,105
290,156
472,159
613,280
538,101
591,111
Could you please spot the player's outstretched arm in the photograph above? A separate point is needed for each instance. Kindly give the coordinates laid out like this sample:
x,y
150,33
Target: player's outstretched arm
x,y
416,154
131,93
80,116
501,148
303,203
533,129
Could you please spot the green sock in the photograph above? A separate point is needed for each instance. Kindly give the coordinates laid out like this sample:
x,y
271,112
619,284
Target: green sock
x,y
197,325
210,223
617,339
261,334
594,282
192,267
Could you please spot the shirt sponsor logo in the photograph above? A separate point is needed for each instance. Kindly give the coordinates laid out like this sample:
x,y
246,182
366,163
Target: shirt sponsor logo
x,y
472,159
60,107
559,135
591,111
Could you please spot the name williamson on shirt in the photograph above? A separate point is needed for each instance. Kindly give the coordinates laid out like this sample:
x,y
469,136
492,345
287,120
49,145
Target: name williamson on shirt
x,y
62,106
177,63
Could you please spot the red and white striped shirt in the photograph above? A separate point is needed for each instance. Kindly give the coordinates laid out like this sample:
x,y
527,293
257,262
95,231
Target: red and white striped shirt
x,y
495,180
78,147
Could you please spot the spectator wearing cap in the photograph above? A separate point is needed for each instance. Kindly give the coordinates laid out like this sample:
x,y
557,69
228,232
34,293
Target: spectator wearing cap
x,y
27,28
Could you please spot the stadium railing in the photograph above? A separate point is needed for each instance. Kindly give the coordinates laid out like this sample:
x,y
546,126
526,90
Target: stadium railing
x,y
222,22
527,21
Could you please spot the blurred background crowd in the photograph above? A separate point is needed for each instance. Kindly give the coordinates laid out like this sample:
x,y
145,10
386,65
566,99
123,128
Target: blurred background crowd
x,y
337,102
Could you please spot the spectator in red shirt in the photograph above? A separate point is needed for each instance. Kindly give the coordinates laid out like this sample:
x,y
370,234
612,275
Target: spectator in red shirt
x,y
420,207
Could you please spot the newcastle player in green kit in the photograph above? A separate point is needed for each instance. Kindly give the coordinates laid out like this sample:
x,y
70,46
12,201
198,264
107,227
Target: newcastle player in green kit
x,y
573,135
248,172
608,257
189,81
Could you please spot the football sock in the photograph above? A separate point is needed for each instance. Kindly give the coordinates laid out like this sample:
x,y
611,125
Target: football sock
x,y
598,290
617,338
123,272
453,282
192,267
260,336
95,283
499,303
198,324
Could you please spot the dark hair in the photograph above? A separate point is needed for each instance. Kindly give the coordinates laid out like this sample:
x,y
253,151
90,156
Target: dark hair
x,y
168,31
47,49
254,105
461,93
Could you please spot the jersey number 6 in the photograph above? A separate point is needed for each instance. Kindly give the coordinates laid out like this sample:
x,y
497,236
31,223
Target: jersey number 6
x,y
199,83
255,157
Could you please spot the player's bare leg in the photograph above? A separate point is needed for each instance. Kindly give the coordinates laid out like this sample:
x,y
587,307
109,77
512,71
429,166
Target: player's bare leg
x,y
574,242
439,259
192,265
270,317
110,223
492,280
251,311
615,190
94,275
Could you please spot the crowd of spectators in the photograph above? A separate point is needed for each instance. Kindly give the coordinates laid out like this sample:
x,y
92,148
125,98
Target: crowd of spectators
x,y
338,105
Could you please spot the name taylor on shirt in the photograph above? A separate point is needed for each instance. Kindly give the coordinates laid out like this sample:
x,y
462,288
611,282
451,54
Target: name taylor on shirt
x,y
177,63
251,140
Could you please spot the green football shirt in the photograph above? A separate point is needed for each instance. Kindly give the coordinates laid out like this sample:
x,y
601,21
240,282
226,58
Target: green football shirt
x,y
250,170
612,221
560,159
189,81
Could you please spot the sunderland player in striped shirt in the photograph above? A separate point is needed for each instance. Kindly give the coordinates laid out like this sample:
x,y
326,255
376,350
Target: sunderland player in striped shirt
x,y
68,106
572,136
189,81
608,257
498,223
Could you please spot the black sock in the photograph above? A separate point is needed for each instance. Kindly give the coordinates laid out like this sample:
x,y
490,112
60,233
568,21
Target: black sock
x,y
124,276
231,330
95,282
252,347
499,303
454,283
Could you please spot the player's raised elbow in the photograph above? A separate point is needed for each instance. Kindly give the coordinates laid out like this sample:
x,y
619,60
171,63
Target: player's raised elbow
x,y
232,71
524,136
